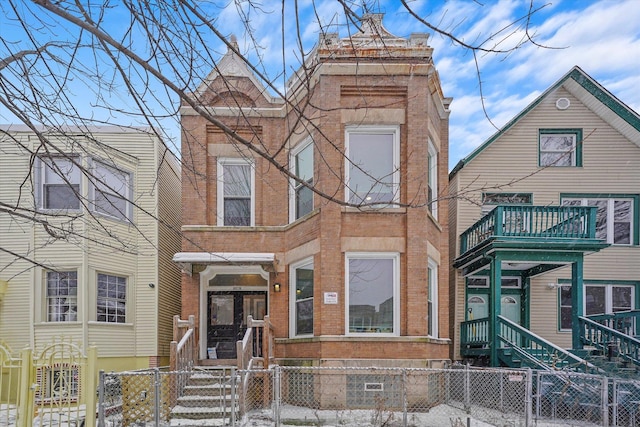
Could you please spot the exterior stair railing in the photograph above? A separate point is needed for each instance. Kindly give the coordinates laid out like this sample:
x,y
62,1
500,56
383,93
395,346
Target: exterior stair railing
x,y
608,339
257,343
183,354
623,321
515,336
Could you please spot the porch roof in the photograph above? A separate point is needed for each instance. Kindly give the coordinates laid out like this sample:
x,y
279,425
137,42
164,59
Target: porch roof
x,y
546,235
186,260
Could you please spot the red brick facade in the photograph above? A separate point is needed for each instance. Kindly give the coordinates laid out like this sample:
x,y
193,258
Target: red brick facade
x,y
391,82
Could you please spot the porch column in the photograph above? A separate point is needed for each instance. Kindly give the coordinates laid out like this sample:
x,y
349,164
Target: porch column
x,y
577,301
495,282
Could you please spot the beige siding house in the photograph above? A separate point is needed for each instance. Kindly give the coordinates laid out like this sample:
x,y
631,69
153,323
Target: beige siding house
x,y
86,253
576,145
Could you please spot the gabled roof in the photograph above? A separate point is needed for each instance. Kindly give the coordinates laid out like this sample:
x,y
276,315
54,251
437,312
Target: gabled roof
x,y
231,65
628,120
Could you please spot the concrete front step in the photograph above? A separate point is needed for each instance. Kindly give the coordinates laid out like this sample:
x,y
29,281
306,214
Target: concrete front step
x,y
194,401
206,400
214,422
199,412
207,390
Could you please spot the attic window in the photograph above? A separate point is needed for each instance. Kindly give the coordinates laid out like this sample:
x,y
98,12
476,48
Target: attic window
x,y
560,147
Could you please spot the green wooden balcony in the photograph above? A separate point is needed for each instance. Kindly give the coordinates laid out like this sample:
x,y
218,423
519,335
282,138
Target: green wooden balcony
x,y
521,222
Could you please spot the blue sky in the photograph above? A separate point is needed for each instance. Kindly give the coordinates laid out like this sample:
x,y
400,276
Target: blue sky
x,y
602,37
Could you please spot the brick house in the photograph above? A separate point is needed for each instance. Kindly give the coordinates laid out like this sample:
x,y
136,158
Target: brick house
x,y
357,269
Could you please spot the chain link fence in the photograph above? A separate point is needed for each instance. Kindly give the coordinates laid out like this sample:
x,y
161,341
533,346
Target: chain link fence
x,y
460,396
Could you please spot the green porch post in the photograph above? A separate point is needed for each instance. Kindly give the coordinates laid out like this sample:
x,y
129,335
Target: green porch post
x,y
577,301
495,282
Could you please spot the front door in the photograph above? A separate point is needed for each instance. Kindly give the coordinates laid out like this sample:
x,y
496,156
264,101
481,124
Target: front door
x,y
227,314
510,307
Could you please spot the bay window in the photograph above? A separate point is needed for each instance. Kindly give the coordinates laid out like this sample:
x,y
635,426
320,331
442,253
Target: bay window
x,y
62,296
58,183
372,165
432,165
111,191
372,293
302,166
301,286
112,299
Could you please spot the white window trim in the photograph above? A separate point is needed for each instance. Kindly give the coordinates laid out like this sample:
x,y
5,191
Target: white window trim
x,y
610,215
43,299
395,130
486,285
433,178
40,177
292,296
220,187
608,295
433,297
128,196
395,256
128,308
292,168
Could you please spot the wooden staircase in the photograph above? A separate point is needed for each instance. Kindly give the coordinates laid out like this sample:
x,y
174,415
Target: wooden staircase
x,y
207,399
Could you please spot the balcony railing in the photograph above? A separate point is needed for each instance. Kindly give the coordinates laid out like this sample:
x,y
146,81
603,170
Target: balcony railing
x,y
558,222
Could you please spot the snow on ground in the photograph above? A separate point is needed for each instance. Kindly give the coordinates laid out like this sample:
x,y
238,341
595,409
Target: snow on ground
x,y
438,416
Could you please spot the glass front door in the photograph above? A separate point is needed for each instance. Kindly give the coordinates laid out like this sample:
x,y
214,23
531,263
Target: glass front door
x,y
227,314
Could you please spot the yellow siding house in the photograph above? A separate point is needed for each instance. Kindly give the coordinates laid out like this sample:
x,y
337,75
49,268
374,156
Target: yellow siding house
x,y
89,222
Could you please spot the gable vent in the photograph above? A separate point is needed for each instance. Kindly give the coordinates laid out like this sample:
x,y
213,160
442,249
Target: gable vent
x,y
563,103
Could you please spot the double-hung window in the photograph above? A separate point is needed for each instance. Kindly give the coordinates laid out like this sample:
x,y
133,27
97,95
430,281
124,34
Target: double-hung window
x,y
301,285
111,191
58,185
372,294
432,298
614,216
560,147
235,192
372,165
432,165
111,299
302,167
62,296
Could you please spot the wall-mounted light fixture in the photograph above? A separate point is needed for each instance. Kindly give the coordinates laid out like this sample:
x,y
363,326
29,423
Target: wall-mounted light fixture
x,y
552,285
277,287
151,285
